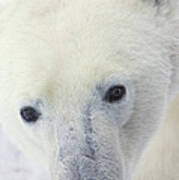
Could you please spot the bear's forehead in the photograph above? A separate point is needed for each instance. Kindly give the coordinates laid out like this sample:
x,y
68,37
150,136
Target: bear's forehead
x,y
40,8
48,60
82,47
81,37
78,31
66,58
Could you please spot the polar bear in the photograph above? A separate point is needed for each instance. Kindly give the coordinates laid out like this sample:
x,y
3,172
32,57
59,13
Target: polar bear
x,y
85,86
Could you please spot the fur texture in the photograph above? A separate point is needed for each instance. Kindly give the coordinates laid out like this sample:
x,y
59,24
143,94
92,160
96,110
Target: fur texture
x,y
61,57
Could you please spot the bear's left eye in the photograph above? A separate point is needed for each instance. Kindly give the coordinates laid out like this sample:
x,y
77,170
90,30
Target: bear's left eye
x,y
29,114
115,93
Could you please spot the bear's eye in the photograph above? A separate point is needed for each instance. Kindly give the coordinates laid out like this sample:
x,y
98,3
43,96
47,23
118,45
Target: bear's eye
x,y
115,93
29,114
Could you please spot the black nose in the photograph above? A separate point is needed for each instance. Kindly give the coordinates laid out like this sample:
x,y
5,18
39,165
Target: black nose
x,y
29,114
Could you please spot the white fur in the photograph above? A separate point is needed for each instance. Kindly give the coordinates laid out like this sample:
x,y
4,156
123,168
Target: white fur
x,y
160,160
62,56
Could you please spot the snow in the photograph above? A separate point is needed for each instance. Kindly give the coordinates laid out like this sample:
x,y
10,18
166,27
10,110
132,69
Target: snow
x,y
15,165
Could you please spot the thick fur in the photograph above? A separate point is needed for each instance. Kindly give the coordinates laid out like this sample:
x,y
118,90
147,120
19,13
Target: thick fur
x,y
160,160
61,57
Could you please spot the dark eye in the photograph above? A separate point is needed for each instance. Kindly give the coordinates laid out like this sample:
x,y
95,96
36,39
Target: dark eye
x,y
115,93
29,114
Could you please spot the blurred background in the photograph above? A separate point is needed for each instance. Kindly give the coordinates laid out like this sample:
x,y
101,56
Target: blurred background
x,y
14,165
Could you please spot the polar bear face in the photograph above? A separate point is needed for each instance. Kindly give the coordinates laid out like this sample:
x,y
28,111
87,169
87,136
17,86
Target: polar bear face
x,y
84,85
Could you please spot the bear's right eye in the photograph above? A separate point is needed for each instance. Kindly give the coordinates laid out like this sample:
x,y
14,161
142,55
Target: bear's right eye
x,y
29,114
